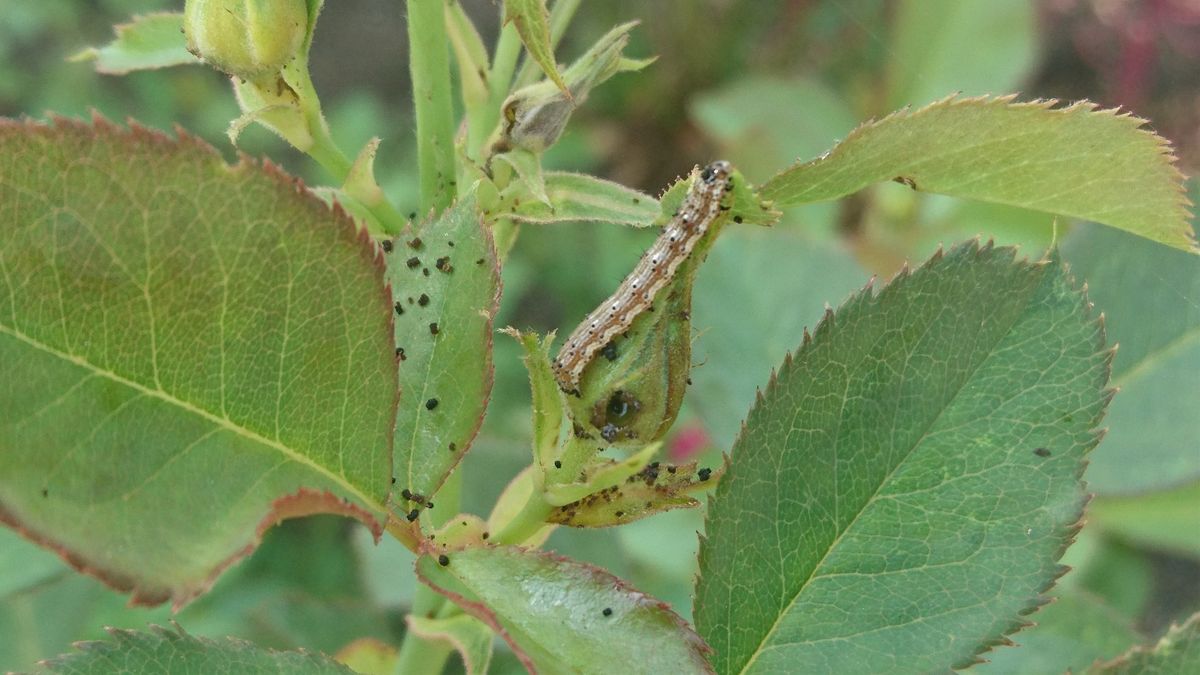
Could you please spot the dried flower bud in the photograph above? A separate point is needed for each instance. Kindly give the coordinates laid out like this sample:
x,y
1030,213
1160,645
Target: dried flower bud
x,y
246,38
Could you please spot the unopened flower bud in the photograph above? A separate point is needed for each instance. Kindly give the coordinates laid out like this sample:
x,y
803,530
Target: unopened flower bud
x,y
246,38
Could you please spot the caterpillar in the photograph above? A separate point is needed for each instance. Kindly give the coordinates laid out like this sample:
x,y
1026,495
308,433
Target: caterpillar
x,y
654,271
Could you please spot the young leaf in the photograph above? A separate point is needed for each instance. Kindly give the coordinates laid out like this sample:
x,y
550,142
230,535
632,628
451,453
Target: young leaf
x,y
561,615
533,25
911,474
469,636
446,286
580,198
150,652
1075,161
1177,652
150,41
189,351
1150,296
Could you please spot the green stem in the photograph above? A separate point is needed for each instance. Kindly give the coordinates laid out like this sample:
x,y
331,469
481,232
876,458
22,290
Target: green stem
x,y
417,655
530,519
429,64
504,64
331,158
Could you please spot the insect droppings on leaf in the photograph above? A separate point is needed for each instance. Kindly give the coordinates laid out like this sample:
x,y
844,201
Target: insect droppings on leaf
x,y
431,404
443,560
1041,452
423,300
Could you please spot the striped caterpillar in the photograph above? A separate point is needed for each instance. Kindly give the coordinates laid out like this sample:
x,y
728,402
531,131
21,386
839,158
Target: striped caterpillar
x,y
654,271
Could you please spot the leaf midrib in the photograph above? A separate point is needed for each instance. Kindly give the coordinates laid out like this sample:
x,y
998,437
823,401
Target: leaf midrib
x,y
219,420
884,481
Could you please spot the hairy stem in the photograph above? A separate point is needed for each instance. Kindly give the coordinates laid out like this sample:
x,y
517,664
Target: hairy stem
x,y
429,64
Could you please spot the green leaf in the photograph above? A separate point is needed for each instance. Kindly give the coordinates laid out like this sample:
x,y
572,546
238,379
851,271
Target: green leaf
x,y
446,281
533,25
1167,521
743,334
1177,652
1150,296
909,474
1069,634
469,636
974,47
581,198
561,615
1075,161
150,652
189,351
150,41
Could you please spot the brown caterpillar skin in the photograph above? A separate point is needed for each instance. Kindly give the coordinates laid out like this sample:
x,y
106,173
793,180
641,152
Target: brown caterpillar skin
x,y
658,265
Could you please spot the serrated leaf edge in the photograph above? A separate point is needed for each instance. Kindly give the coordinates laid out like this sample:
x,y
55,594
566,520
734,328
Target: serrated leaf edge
x,y
305,501
867,294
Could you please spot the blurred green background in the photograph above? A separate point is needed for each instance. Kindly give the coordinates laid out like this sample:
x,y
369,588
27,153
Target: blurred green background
x,y
761,83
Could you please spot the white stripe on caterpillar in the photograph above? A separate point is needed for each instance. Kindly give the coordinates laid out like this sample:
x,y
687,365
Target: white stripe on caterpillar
x,y
654,271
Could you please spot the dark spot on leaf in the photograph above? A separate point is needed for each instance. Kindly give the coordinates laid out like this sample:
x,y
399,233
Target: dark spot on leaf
x,y
443,264
400,354
607,611
479,262
557,464
620,514
1041,452
906,180
431,404
387,245
737,219
412,262
443,560
450,242
423,300
703,474
433,328
412,215
399,308
393,480
413,515
45,492
486,535
406,494
453,447
425,271
414,243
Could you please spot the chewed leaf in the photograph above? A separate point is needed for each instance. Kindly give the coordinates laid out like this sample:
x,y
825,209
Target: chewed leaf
x,y
911,473
130,651
560,615
446,287
581,198
1074,161
150,41
189,352
654,489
